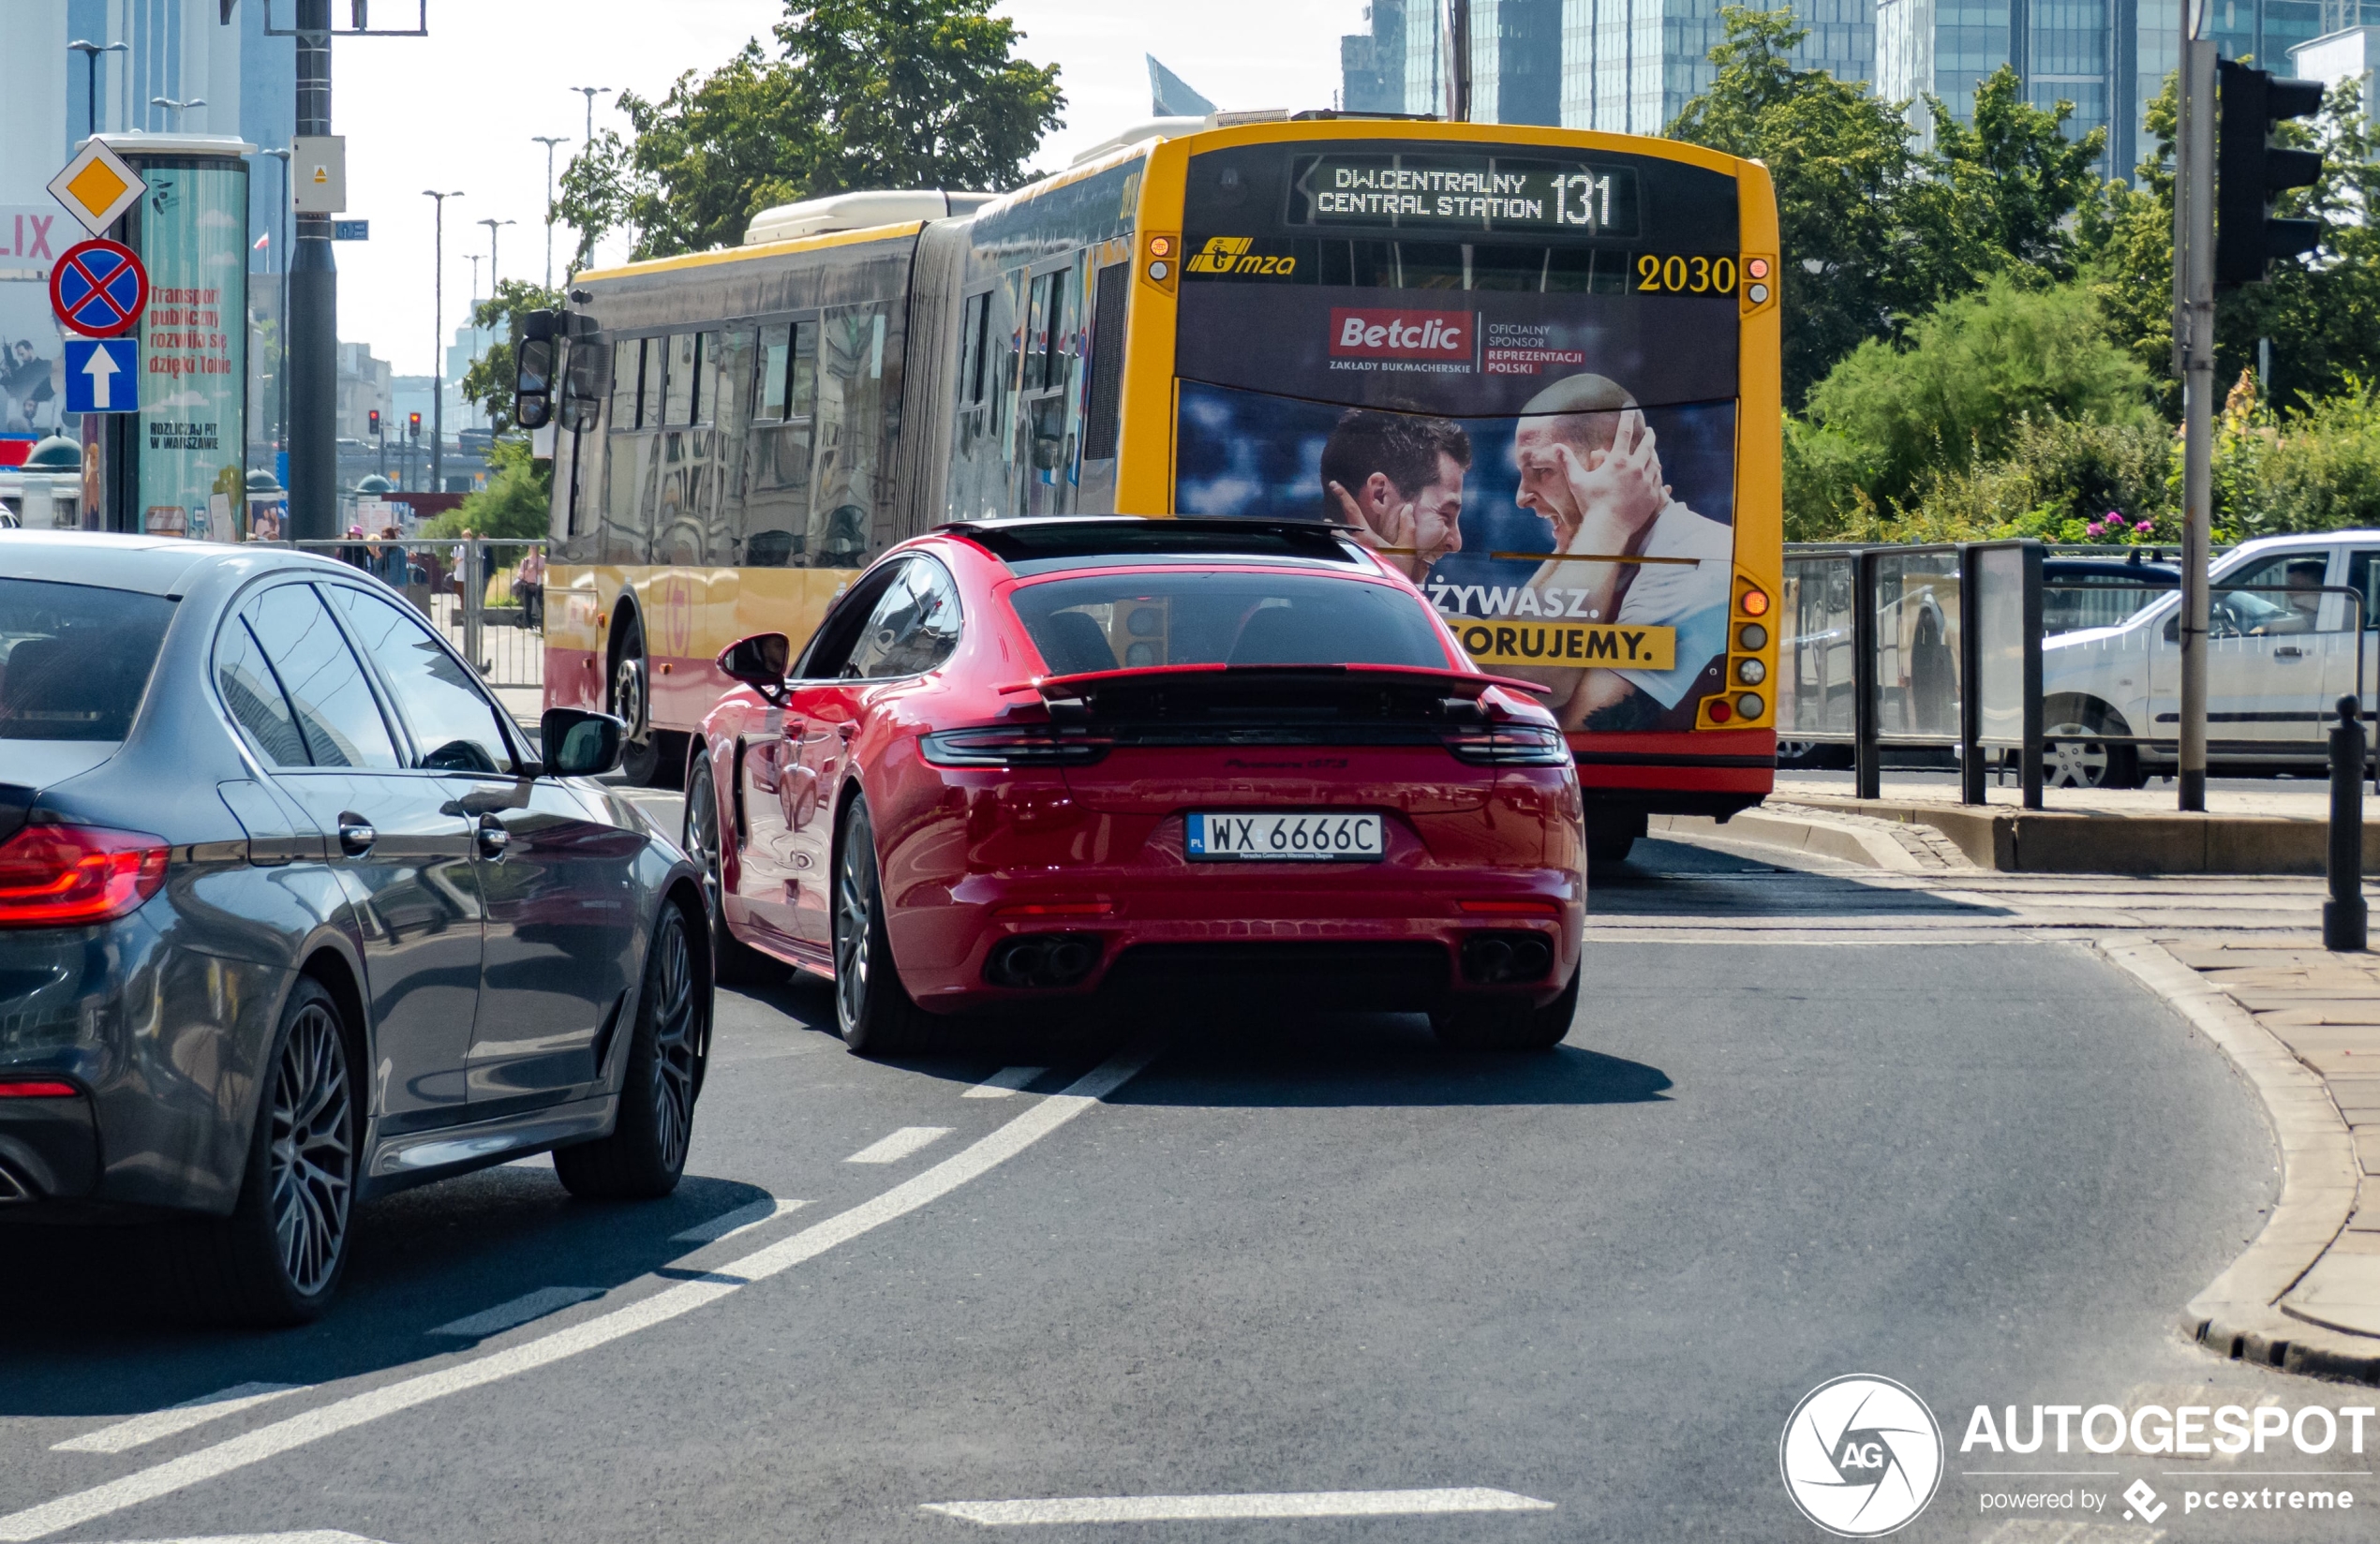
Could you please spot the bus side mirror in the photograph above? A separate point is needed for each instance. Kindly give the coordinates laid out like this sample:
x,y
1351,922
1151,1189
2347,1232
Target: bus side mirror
x,y
533,371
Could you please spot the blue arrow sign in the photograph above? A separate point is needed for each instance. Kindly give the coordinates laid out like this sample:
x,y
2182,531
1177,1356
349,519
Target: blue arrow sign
x,y
103,376
350,230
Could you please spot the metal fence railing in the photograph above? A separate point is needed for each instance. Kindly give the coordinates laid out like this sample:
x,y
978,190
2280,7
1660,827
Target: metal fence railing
x,y
2075,679
486,594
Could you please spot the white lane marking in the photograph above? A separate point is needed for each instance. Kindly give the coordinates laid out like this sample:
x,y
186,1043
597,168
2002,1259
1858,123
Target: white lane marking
x,y
310,1535
1202,1509
728,1223
900,1145
530,1305
125,1435
1004,1083
969,1162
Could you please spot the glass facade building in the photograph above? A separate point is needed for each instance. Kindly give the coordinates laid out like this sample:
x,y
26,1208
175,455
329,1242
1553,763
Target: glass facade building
x,y
1628,66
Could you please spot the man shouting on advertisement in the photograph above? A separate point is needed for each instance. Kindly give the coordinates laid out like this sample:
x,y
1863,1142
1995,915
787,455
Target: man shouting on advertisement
x,y
1642,557
1397,479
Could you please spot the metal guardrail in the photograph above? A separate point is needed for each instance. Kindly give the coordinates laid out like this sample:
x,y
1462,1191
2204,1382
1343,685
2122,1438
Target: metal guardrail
x,y
487,594
1880,643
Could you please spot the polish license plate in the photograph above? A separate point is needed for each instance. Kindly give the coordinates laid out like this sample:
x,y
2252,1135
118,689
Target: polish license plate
x,y
1284,836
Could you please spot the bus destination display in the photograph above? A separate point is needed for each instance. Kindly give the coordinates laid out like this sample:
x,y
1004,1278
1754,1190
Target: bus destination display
x,y
1465,193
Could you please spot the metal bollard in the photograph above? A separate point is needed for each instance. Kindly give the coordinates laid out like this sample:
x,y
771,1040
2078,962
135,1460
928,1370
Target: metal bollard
x,y
2343,915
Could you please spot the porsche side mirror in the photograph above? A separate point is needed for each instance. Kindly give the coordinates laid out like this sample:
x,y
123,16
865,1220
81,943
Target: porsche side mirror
x,y
579,744
759,660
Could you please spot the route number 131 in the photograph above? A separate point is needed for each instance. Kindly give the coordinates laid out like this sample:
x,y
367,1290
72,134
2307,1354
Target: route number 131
x,y
1592,194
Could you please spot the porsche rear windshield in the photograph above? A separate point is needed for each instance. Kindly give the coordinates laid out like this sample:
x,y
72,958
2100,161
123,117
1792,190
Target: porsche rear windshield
x,y
1113,621
75,659
1040,546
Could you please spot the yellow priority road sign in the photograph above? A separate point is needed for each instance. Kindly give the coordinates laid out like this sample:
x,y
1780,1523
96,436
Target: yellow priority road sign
x,y
96,185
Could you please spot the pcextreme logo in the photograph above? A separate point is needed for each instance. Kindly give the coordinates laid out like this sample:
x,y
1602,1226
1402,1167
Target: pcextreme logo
x,y
1861,1456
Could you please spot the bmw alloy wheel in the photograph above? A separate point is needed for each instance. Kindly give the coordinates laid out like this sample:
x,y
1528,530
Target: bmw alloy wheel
x,y
311,1150
675,1032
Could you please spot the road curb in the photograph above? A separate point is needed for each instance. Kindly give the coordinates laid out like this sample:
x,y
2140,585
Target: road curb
x,y
1818,838
2240,1314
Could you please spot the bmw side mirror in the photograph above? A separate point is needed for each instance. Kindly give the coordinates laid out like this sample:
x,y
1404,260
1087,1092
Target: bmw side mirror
x,y
760,661
579,744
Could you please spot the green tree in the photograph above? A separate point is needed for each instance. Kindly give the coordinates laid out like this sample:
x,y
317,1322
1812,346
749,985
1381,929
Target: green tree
x,y
1842,163
517,501
1874,232
2009,185
863,94
2321,312
1974,368
488,383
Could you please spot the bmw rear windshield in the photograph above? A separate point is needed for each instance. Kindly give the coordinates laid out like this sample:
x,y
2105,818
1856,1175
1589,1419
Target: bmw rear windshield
x,y
75,659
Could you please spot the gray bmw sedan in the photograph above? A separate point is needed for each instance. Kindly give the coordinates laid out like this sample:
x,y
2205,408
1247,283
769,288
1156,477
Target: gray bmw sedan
x,y
292,916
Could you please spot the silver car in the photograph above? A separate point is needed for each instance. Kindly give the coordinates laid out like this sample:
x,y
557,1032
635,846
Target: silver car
x,y
2280,654
292,916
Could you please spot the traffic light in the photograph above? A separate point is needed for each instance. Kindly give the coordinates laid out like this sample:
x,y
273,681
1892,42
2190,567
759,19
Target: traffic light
x,y
2250,169
376,424
412,426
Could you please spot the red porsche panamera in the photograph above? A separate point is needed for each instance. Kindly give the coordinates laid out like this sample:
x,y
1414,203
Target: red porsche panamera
x,y
1027,762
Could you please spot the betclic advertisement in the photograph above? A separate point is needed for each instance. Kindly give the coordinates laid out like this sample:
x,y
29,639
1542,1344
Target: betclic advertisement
x,y
1556,472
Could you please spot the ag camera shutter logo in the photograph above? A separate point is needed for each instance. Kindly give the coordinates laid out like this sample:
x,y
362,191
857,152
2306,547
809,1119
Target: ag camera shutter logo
x,y
1861,1456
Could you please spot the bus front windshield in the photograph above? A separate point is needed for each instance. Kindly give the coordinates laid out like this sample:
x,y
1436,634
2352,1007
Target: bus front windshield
x,y
1505,368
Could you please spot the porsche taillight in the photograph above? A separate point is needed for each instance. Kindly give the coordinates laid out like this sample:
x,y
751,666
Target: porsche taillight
x,y
54,876
1022,746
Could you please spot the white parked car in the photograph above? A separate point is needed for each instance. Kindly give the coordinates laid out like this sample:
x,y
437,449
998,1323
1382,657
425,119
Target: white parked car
x,y
2276,662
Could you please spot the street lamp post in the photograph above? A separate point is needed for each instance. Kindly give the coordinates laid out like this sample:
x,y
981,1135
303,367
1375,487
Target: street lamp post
x,y
590,93
90,52
493,225
549,142
438,339
281,323
176,108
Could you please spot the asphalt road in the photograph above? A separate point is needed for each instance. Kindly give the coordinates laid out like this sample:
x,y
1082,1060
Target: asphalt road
x,y
1279,1256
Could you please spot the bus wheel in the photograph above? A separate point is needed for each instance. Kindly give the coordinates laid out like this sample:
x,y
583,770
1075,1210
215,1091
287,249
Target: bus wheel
x,y
641,757
1611,833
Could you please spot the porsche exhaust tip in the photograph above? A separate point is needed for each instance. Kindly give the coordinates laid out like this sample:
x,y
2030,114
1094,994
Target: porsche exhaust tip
x,y
1497,960
1042,960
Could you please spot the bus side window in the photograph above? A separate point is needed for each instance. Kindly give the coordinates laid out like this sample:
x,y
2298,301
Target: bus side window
x,y
851,431
771,530
730,385
1102,422
1038,333
775,344
628,374
971,349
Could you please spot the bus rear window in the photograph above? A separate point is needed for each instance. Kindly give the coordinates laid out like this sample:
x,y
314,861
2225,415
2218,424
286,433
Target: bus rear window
x,y
74,658
1203,617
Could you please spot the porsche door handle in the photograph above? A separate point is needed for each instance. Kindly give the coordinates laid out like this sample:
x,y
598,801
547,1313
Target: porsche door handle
x,y
2289,651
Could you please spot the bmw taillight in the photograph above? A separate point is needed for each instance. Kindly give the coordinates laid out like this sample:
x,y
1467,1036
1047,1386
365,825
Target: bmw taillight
x,y
54,876
1024,746
1510,745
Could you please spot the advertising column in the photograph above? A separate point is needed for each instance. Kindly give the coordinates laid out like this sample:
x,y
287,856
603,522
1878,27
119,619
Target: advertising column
x,y
185,453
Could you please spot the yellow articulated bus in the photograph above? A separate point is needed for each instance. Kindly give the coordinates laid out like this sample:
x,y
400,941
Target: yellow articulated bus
x,y
1536,368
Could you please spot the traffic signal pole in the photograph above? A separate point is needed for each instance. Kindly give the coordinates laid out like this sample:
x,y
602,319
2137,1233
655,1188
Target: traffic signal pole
x,y
2195,359
311,380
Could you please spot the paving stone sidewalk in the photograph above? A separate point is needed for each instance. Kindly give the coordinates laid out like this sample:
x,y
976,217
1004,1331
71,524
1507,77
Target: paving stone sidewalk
x,y
2325,1009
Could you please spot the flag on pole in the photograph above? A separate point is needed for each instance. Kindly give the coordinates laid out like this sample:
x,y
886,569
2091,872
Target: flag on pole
x,y
262,241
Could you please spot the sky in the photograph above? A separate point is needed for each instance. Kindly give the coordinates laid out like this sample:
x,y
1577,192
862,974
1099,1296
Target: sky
x,y
458,110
